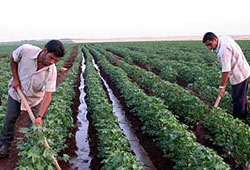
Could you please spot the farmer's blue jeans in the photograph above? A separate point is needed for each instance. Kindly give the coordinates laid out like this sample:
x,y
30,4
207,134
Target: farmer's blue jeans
x,y
11,116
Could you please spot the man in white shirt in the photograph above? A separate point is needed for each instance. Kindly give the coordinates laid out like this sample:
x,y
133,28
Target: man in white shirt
x,y
234,67
34,71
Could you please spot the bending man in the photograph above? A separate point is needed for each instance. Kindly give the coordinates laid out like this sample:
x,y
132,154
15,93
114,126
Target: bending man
x,y
34,71
234,67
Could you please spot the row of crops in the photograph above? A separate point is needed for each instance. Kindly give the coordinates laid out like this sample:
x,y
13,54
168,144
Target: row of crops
x,y
171,136
199,71
169,86
114,148
221,126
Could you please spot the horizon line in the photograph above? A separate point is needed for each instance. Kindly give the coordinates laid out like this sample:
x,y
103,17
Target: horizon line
x,y
128,39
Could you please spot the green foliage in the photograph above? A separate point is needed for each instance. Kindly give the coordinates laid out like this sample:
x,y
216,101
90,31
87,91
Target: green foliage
x,y
172,137
191,109
114,148
230,133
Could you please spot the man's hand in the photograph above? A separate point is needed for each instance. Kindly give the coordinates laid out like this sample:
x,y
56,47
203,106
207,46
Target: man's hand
x,y
39,121
43,107
222,91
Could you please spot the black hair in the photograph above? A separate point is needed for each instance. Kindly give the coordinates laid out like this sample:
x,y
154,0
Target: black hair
x,y
209,36
56,47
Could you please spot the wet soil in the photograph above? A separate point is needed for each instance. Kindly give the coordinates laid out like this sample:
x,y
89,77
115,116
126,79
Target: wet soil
x,y
10,162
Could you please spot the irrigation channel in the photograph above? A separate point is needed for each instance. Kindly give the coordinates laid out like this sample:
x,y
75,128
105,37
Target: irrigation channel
x,y
82,160
124,124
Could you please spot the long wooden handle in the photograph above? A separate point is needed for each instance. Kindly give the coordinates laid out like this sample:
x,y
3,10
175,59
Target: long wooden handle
x,y
21,95
53,156
32,117
216,104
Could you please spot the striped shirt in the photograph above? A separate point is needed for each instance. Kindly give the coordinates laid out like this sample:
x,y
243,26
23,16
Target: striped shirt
x,y
34,83
232,60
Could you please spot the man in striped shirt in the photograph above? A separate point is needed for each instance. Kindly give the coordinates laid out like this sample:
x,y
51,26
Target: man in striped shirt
x,y
234,67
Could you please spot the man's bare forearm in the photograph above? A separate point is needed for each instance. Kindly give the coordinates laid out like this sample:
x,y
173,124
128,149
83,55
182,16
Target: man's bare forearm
x,y
224,79
223,84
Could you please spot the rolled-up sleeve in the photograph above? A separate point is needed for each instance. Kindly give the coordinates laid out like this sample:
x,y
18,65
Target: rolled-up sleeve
x,y
17,54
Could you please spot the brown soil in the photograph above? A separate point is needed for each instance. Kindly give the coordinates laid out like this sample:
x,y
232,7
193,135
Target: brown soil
x,y
10,162
182,82
68,64
141,65
156,71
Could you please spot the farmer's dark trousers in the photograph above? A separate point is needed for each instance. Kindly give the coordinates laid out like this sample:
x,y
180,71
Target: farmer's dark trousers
x,y
239,99
12,114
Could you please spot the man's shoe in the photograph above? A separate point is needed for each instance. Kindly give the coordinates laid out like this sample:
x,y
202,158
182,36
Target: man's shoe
x,y
4,151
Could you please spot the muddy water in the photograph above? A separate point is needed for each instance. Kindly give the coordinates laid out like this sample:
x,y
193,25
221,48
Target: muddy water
x,y
82,161
126,127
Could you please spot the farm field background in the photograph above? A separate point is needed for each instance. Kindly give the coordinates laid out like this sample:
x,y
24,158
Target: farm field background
x,y
165,87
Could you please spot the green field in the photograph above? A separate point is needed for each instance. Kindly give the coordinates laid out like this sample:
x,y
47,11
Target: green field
x,y
170,86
